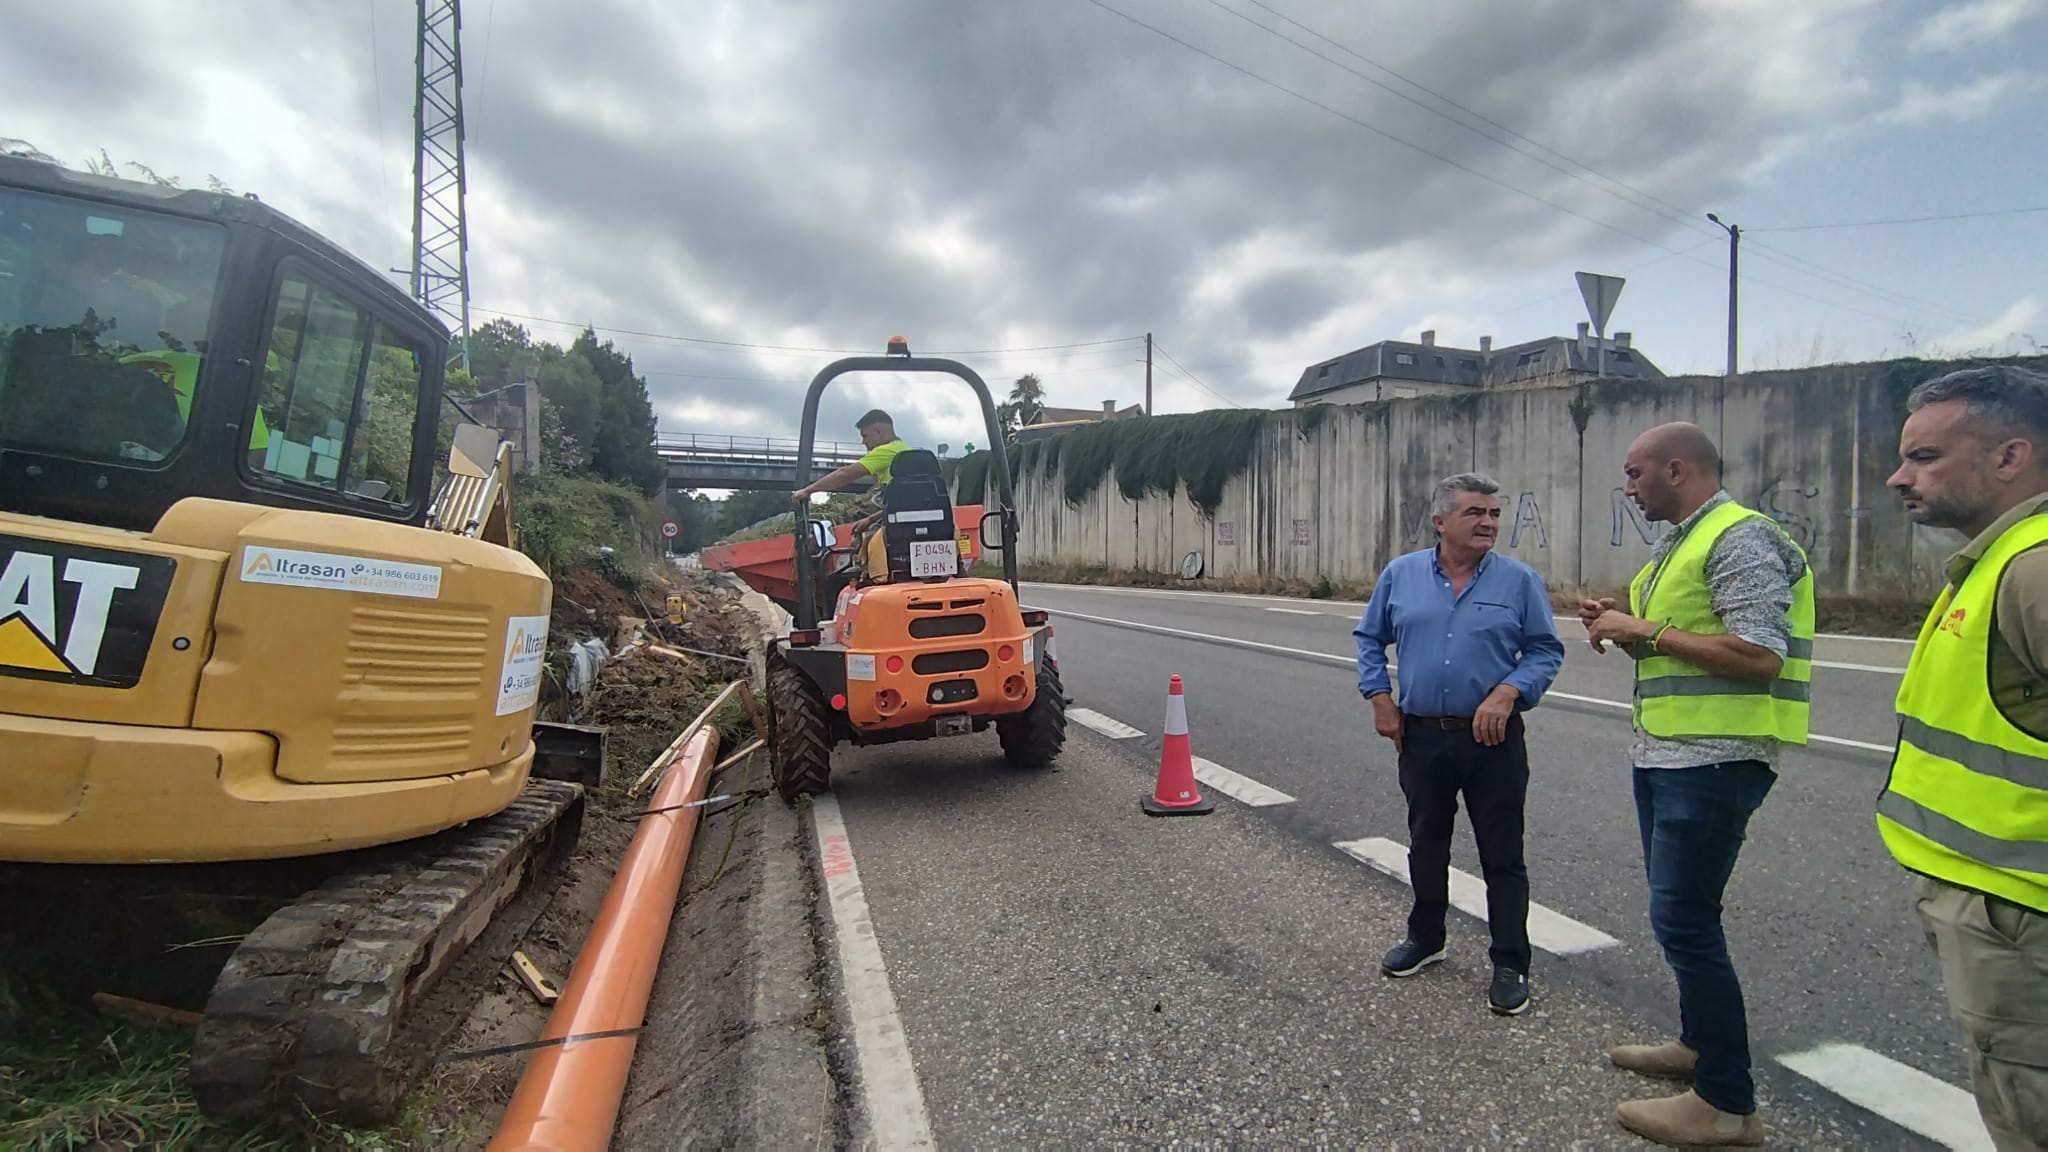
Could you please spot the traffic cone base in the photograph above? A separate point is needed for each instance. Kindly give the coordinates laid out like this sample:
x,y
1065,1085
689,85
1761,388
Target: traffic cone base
x,y
1176,793
1201,806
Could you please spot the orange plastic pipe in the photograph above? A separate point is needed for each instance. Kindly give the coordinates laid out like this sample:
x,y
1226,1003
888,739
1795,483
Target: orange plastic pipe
x,y
569,1096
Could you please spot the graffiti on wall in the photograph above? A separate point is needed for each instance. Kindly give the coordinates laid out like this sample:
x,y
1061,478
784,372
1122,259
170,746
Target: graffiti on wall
x,y
1787,504
1626,514
1417,531
1528,517
1301,531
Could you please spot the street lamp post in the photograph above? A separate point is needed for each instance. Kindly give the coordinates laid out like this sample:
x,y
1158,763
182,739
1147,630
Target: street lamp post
x,y
1734,239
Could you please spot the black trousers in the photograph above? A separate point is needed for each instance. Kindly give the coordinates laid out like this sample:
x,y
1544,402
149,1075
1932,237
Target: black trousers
x,y
1436,766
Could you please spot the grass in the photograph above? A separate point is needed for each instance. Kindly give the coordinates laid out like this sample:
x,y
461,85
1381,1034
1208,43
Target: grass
x,y
80,1082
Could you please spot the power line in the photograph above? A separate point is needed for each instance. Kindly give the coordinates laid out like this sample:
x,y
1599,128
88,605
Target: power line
x,y
1642,201
1668,211
1374,129
1901,220
1821,275
705,340
1192,378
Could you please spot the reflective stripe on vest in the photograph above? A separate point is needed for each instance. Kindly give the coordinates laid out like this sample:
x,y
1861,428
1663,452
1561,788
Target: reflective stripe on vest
x,y
1967,799
1675,699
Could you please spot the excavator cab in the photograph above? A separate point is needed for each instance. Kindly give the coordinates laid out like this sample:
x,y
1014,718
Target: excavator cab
x,y
914,648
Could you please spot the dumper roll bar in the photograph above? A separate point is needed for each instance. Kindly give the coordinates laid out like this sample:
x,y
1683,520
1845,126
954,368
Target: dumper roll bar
x,y
999,463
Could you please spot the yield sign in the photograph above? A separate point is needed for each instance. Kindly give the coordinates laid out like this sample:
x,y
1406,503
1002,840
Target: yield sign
x,y
1600,292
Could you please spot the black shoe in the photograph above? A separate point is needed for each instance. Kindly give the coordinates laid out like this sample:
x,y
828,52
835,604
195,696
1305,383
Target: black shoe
x,y
1510,993
1408,958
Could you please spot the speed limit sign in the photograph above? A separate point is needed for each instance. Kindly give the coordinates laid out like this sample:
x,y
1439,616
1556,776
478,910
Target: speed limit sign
x,y
670,529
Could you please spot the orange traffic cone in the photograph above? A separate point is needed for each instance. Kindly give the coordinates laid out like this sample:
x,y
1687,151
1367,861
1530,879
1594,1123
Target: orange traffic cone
x,y
1176,794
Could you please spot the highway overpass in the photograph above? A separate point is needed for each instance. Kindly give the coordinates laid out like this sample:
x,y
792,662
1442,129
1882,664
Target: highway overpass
x,y
759,463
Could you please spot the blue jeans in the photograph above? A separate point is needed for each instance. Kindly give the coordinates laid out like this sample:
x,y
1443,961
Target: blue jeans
x,y
1693,821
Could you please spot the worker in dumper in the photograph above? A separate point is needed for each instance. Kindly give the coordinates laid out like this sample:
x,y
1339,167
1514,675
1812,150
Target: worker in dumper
x,y
878,436
179,371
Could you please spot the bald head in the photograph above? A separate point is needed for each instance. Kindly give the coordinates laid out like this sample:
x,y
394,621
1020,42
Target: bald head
x,y
1672,469
1680,441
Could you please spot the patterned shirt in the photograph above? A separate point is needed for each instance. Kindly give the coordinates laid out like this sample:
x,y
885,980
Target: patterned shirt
x,y
1750,572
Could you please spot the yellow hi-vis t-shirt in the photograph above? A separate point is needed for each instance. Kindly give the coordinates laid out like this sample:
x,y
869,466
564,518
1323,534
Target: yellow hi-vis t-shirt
x,y
879,458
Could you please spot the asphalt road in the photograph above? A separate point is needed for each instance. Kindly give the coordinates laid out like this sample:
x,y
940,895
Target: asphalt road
x,y
1064,971
1817,914
1060,970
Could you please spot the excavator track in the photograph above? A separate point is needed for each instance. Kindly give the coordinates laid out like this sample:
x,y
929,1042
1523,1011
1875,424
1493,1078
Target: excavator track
x,y
336,1003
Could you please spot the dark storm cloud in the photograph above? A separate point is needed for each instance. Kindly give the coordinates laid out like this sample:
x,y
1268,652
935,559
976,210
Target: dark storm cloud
x,y
986,174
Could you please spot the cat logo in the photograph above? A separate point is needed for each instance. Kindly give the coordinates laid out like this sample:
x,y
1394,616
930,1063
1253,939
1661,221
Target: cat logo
x,y
76,614
1953,624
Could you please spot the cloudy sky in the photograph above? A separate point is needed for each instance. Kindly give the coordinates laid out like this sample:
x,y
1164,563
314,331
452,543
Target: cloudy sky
x,y
1261,184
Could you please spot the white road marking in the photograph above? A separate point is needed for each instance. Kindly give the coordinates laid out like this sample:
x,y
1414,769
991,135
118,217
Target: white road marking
x,y
895,1103
1906,1096
1845,666
1117,590
1352,662
1114,729
1359,604
1295,611
1238,787
1554,932
1231,640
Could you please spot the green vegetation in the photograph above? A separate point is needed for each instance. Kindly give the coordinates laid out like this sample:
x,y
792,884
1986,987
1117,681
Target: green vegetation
x,y
763,515
564,520
1910,373
595,416
1198,453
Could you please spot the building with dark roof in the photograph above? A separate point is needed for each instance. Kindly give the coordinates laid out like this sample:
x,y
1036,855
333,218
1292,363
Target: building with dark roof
x,y
1396,369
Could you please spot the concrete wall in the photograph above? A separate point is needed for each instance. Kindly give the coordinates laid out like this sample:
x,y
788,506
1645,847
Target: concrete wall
x,y
1811,448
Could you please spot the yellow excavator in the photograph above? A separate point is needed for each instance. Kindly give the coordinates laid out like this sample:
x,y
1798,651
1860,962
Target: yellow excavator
x,y
242,621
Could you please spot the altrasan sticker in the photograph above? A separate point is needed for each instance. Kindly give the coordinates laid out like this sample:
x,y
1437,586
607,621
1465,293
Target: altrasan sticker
x,y
296,569
526,644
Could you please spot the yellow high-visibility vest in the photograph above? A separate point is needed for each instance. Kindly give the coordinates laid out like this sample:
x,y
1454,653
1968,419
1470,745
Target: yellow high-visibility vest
x,y
180,373
1675,699
1967,800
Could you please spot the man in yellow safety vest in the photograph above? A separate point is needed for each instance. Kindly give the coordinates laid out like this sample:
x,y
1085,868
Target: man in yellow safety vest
x,y
1966,806
1720,623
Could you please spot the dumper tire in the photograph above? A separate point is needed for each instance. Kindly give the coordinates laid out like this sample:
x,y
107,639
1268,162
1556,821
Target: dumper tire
x,y
800,749
1033,739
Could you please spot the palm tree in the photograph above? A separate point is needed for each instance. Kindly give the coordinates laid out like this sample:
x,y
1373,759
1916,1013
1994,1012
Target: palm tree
x,y
1029,397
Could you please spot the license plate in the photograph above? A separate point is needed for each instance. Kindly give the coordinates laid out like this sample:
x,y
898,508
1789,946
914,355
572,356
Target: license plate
x,y
930,558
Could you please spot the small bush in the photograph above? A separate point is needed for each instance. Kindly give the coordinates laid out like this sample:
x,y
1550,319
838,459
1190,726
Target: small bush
x,y
564,520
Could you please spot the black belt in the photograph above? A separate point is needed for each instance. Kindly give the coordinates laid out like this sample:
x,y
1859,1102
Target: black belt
x,y
1447,723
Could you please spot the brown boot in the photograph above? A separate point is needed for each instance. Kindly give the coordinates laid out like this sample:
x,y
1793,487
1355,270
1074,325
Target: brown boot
x,y
1669,1061
1686,1121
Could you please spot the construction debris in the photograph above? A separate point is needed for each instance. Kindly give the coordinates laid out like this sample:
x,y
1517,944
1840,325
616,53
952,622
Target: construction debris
x,y
530,975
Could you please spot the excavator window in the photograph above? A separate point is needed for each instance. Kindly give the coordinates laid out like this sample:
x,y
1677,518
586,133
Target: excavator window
x,y
340,395
105,315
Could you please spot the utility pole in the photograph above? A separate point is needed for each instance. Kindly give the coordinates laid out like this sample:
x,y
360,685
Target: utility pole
x,y
1148,373
1734,239
440,229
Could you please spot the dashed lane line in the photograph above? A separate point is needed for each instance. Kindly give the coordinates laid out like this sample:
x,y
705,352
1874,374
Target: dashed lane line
x,y
1904,1095
1114,729
895,1102
1237,786
1351,662
1554,932
1295,611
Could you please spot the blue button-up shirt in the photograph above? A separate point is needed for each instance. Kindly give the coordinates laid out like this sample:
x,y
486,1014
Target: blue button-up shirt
x,y
1455,650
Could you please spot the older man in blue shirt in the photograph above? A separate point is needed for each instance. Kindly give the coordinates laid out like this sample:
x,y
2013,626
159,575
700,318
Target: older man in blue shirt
x,y
1478,647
